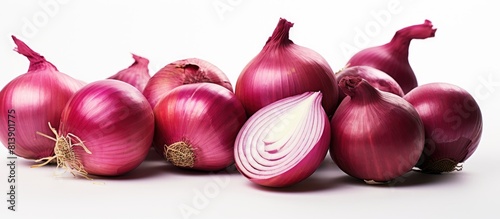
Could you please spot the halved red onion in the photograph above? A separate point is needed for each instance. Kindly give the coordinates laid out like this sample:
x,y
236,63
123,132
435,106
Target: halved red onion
x,y
284,142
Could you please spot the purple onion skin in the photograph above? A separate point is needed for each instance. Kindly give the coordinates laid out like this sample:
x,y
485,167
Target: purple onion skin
x,y
136,74
376,136
206,117
392,58
283,69
116,124
30,102
181,72
375,77
453,125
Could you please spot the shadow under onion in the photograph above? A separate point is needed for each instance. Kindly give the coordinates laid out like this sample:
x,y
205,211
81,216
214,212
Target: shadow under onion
x,y
410,179
328,176
150,167
311,184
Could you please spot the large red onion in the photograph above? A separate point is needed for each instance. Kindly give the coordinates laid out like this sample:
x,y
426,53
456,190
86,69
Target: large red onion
x,y
392,58
32,100
375,77
284,69
453,125
196,126
376,136
186,71
284,142
106,129
136,74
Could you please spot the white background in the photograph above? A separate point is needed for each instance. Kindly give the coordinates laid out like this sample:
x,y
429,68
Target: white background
x,y
92,40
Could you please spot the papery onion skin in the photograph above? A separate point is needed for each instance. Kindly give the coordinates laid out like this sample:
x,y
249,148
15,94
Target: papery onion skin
x,y
453,125
186,71
376,135
136,74
375,77
116,124
37,98
284,69
291,157
392,58
205,119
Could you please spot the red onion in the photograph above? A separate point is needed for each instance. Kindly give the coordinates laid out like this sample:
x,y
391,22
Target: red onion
x,y
186,71
392,58
30,101
376,136
136,74
196,126
452,122
106,129
284,69
284,142
375,77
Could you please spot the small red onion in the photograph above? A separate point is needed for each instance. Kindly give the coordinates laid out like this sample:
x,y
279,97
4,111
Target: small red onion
x,y
284,69
186,71
196,126
136,74
376,136
392,58
453,125
32,100
378,79
284,142
106,129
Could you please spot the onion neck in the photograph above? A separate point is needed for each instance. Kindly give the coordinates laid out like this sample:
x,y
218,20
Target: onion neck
x,y
193,74
358,89
139,61
280,35
37,61
400,43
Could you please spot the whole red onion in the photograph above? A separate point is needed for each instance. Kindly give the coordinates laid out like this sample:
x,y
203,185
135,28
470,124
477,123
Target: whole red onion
x,y
181,72
453,125
136,74
392,58
376,136
32,100
375,77
106,129
284,69
196,126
